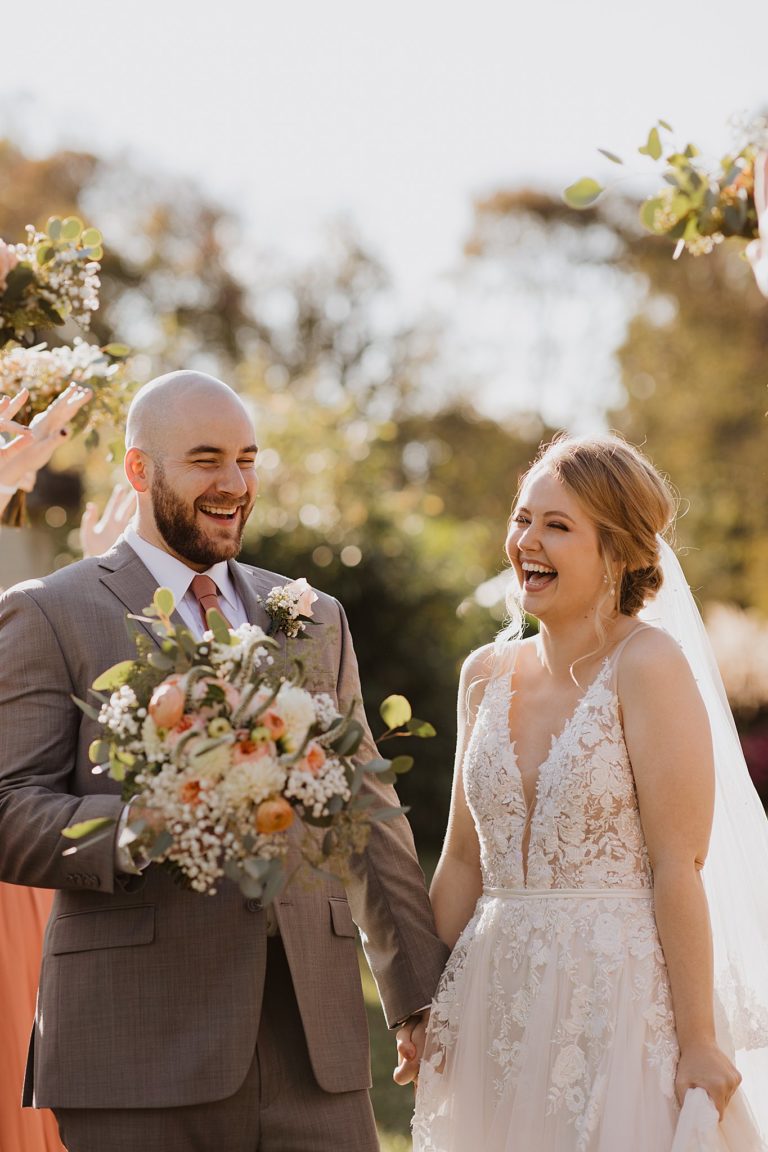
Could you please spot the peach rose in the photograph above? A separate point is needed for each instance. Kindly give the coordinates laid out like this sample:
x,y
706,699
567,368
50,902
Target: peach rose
x,y
189,792
186,724
8,261
273,816
246,750
274,724
167,704
314,758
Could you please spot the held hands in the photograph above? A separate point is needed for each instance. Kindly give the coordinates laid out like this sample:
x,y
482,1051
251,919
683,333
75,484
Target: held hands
x,y
705,1066
410,1048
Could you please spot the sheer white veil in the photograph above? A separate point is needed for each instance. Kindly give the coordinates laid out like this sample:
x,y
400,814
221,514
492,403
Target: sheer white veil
x,y
736,871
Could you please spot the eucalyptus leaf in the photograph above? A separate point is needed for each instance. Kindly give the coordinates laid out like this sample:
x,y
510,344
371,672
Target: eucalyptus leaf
x,y
98,751
648,212
383,815
583,193
45,253
395,711
163,601
91,712
160,661
421,728
349,740
218,626
53,227
114,677
87,827
91,238
610,156
652,146
117,351
377,765
71,228
402,764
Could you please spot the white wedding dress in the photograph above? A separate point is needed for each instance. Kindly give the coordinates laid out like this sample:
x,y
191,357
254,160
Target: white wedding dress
x,y
552,1029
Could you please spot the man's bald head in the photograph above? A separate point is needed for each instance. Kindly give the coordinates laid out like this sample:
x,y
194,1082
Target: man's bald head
x,y
191,459
159,405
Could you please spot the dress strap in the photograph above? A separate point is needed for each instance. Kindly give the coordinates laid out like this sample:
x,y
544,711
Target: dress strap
x,y
613,659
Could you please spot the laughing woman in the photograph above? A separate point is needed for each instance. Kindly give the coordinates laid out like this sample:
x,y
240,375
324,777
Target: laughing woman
x,y
578,1005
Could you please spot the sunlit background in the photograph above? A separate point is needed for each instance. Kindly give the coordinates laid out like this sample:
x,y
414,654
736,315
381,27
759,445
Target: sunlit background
x,y
352,213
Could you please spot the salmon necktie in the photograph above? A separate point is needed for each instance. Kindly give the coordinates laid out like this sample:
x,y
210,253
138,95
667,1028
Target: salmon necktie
x,y
206,593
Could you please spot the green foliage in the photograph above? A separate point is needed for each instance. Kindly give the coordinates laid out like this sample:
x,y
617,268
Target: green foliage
x,y
395,711
698,208
584,193
86,828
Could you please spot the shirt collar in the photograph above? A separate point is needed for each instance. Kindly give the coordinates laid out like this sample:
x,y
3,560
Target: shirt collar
x,y
173,573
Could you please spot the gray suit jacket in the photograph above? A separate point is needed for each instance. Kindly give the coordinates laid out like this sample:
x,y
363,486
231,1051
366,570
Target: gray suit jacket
x,y
150,995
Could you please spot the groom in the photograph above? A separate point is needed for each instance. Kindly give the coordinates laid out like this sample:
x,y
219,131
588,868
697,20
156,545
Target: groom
x,y
168,1020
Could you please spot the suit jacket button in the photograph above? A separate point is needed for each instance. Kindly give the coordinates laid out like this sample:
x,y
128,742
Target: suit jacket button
x,y
253,905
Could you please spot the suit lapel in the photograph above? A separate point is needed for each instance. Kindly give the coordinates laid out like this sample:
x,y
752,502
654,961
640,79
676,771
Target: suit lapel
x,y
253,586
127,578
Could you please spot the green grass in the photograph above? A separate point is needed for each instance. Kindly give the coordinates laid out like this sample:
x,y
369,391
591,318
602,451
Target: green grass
x,y
393,1106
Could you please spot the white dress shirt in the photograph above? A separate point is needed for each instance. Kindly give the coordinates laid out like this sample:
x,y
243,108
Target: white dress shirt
x,y
178,576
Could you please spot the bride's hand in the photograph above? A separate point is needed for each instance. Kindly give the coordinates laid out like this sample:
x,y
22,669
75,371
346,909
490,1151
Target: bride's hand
x,y
705,1066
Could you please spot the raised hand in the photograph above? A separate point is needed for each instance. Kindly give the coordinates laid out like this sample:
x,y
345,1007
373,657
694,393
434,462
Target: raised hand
x,y
98,534
33,447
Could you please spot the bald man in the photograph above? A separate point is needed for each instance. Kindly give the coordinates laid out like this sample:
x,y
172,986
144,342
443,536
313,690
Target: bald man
x,y
169,1021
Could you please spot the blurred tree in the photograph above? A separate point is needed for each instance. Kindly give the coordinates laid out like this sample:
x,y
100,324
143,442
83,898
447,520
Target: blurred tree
x,y
372,487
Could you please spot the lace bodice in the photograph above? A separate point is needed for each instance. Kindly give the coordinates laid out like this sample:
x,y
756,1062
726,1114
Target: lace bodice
x,y
585,827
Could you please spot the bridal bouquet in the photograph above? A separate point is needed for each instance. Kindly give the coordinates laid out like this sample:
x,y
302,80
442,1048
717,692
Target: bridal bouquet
x,y
701,204
51,277
222,757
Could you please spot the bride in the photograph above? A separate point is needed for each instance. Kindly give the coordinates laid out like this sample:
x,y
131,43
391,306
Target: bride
x,y
583,997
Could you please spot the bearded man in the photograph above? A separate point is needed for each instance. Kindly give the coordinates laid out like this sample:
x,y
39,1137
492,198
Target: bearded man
x,y
168,1021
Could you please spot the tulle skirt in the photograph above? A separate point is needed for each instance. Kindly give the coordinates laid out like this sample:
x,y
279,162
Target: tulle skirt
x,y
552,1031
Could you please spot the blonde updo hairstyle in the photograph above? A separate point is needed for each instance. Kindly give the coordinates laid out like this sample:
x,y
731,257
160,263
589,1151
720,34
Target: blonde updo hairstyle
x,y
627,500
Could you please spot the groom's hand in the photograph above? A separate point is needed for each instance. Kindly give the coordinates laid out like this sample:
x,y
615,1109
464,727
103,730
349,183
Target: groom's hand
x,y
410,1048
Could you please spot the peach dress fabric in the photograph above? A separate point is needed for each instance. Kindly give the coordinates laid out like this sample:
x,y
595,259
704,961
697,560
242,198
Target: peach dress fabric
x,y
23,915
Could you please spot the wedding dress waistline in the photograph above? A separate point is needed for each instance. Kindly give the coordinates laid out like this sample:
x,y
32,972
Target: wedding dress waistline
x,y
570,893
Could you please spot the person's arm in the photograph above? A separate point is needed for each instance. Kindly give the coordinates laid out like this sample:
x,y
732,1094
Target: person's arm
x,y
40,732
387,893
670,749
457,883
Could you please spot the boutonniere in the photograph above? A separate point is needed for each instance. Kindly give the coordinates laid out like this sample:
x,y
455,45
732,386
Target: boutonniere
x,y
289,607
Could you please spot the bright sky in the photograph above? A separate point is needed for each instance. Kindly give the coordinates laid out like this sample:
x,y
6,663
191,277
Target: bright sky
x,y
395,114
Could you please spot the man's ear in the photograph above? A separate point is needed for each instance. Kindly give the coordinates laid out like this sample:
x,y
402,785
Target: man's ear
x,y
135,465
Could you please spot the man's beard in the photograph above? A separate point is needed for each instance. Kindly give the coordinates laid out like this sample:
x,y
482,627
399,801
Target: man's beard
x,y
181,533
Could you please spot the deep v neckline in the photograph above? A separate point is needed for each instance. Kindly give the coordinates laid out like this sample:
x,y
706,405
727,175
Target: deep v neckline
x,y
555,739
